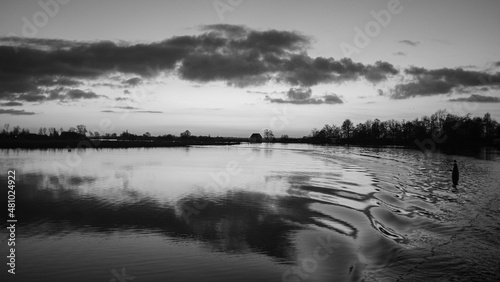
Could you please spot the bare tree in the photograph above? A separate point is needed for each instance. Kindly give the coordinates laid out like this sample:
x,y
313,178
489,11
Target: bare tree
x,y
186,134
16,130
268,135
347,128
81,129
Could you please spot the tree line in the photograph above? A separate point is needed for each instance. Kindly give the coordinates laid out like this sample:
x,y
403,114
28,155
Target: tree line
x,y
445,129
81,131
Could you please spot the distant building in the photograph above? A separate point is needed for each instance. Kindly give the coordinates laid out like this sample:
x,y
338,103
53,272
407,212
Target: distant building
x,y
256,138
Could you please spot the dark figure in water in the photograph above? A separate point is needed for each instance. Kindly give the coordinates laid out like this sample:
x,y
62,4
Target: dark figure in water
x,y
454,174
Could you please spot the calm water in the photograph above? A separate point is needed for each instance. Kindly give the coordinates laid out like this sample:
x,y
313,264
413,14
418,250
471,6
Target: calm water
x,y
253,213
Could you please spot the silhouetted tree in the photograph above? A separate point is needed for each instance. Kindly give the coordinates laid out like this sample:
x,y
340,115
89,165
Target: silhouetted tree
x,y
347,128
186,134
268,135
453,131
16,130
81,129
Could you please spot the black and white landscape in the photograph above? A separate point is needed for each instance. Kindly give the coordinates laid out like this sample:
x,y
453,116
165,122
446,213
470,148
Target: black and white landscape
x,y
238,140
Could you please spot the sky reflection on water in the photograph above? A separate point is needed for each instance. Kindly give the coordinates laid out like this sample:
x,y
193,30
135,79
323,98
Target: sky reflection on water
x,y
250,213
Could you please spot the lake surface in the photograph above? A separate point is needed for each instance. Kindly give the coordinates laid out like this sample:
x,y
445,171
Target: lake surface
x,y
264,212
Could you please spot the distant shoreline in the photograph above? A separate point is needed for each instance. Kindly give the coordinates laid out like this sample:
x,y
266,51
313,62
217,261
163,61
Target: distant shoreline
x,y
35,144
88,143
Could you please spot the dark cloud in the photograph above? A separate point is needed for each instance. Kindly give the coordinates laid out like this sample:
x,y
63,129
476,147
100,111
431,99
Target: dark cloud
x,y
31,97
410,42
122,99
497,64
11,104
423,87
80,94
61,81
332,99
303,70
442,81
477,99
38,43
299,93
15,112
400,53
133,81
233,54
303,96
60,94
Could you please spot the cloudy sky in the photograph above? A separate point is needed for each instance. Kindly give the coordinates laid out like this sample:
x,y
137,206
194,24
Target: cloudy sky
x,y
232,67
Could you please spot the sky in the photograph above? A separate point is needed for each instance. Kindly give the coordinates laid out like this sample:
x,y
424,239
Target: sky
x,y
233,67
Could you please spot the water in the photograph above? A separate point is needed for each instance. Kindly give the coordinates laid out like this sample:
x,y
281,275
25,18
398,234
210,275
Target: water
x,y
253,213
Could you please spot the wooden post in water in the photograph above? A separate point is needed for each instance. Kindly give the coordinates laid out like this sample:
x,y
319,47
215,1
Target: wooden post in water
x,y
454,174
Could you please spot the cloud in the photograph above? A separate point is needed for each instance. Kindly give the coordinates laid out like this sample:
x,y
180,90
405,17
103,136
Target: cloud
x,y
477,99
62,81
399,53
15,112
332,99
302,70
133,81
143,112
299,93
303,96
31,97
497,64
149,112
234,54
11,104
234,30
410,42
80,94
126,107
442,81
